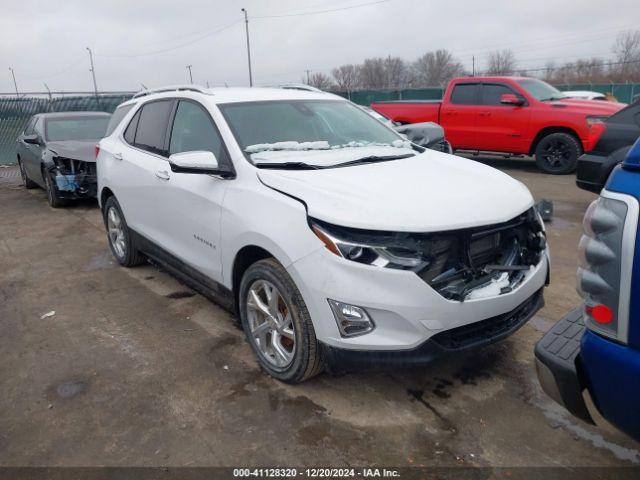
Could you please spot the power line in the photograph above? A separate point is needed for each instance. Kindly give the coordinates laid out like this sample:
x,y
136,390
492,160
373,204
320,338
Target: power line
x,y
317,12
175,47
59,72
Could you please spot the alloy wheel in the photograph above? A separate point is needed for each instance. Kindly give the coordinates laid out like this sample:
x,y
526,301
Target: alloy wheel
x,y
115,229
271,325
557,153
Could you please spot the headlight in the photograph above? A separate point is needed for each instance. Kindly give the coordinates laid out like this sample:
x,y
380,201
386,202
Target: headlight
x,y
382,250
593,120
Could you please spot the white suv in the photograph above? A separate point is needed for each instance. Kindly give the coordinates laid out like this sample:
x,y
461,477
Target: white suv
x,y
331,236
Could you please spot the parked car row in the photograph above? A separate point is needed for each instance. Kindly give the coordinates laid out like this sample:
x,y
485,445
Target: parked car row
x,y
309,217
511,115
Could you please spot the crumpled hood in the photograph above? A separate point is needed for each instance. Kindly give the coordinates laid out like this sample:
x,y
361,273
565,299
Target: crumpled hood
x,y
429,192
75,149
589,107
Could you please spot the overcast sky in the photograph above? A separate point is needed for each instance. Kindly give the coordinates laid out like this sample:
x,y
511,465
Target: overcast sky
x,y
45,41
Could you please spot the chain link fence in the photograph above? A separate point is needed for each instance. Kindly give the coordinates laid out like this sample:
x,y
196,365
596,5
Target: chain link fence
x,y
15,111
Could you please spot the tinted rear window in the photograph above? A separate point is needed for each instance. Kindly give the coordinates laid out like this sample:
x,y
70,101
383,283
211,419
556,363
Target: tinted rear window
x,y
465,94
152,126
79,128
117,117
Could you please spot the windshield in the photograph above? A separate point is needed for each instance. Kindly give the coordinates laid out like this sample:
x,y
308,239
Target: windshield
x,y
78,128
541,90
270,131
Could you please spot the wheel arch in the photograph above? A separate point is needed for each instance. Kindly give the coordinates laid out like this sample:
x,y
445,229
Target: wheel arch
x,y
105,193
555,129
244,258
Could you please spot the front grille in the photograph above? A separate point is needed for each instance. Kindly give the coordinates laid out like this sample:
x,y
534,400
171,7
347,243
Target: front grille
x,y
69,166
462,261
491,329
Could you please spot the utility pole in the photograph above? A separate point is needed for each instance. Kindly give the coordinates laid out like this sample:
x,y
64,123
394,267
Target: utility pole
x,y
473,65
93,74
246,26
188,67
50,97
308,80
14,80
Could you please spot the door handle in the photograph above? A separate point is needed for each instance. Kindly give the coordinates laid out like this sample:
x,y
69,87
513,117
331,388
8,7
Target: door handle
x,y
485,114
117,156
162,174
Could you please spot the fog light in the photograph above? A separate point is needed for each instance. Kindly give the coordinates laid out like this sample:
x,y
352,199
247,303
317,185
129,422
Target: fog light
x,y
351,320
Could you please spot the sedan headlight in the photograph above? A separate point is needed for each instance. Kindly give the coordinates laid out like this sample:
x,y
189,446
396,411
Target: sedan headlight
x,y
382,250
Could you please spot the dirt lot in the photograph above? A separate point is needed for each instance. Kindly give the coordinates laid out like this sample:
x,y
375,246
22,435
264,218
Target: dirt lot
x,y
135,369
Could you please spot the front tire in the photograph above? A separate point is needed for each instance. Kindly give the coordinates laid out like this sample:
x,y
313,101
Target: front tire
x,y
557,153
119,235
53,197
277,323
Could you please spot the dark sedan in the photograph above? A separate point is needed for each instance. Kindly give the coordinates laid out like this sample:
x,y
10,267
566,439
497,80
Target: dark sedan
x,y
56,151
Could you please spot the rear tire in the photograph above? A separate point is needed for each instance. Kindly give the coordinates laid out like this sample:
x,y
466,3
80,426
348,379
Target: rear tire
x,y
557,153
301,356
53,197
119,235
28,183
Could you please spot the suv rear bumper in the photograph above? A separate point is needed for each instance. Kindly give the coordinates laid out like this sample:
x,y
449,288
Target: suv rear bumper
x,y
593,171
556,355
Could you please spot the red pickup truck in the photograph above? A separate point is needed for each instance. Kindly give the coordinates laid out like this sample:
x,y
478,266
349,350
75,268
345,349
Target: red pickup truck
x,y
512,115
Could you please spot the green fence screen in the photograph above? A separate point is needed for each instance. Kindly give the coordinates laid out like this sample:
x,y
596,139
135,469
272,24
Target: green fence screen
x,y
15,112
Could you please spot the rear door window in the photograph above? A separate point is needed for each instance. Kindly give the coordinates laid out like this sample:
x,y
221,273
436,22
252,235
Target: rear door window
x,y
151,131
465,94
117,117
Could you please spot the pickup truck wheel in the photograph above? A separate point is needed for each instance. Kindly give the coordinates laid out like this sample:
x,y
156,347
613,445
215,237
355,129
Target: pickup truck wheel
x,y
277,323
120,240
557,153
28,183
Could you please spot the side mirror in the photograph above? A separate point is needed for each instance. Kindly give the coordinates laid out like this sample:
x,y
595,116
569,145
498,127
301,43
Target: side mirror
x,y
196,162
33,139
423,134
511,99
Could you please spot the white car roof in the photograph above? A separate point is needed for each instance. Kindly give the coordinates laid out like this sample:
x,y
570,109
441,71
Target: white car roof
x,y
234,94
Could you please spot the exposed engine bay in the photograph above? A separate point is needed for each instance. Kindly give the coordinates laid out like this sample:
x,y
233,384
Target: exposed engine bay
x,y
461,264
74,178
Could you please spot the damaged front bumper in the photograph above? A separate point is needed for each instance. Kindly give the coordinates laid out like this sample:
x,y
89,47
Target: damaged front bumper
x,y
74,179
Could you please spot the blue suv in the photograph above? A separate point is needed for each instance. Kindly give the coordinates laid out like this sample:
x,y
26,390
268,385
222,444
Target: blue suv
x,y
596,348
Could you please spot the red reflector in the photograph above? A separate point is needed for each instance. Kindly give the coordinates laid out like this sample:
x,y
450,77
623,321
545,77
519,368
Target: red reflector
x,y
600,313
97,150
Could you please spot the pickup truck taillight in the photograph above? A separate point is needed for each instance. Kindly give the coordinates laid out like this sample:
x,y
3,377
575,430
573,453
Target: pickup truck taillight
x,y
605,260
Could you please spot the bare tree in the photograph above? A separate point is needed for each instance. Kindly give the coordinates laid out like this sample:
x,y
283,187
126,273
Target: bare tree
x,y
347,77
436,68
501,62
321,81
627,50
397,72
373,73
